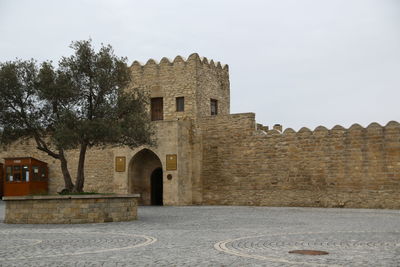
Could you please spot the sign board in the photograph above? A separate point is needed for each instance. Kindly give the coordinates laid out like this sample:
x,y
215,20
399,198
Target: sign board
x,y
171,162
120,164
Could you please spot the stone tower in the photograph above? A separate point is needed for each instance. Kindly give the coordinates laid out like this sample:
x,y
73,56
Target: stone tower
x,y
196,79
182,92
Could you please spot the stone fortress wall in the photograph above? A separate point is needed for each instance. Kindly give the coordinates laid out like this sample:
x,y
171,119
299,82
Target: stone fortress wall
x,y
229,159
356,167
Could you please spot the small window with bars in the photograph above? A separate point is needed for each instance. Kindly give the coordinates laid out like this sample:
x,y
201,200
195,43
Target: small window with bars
x,y
214,106
180,104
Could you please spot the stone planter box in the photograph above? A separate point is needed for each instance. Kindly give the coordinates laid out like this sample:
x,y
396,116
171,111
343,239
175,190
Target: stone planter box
x,y
71,208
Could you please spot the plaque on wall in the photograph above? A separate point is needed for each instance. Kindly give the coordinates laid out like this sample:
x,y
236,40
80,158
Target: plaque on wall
x,y
171,162
120,164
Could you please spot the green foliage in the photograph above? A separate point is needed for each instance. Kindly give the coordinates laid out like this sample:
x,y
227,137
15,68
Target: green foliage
x,y
91,102
86,101
19,102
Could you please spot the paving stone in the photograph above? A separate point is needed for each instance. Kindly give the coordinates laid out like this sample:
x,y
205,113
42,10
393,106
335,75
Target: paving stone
x,y
211,236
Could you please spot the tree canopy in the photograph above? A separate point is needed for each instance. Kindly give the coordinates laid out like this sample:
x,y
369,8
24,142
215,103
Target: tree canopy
x,y
85,101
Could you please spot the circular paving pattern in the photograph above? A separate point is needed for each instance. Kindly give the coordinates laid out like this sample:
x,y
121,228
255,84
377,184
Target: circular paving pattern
x,y
25,245
344,248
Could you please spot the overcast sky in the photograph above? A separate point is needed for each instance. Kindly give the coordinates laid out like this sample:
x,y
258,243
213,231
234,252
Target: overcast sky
x,y
294,62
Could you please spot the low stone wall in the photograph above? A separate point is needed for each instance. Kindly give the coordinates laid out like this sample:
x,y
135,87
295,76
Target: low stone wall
x,y
71,209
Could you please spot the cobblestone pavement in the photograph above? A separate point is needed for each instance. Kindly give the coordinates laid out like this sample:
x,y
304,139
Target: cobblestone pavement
x,y
211,236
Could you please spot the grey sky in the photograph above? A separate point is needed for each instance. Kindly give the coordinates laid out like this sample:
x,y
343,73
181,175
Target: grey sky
x,y
298,63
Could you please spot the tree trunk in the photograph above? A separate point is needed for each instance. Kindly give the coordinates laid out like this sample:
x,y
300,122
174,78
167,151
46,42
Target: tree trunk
x,y
80,177
42,146
64,168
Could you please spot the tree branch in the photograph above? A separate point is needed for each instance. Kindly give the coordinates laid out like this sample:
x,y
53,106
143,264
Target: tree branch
x,y
41,145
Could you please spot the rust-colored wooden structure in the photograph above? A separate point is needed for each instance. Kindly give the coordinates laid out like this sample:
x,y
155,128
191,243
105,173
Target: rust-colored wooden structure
x,y
25,176
1,179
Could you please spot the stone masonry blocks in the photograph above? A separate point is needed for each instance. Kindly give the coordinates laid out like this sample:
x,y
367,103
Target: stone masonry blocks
x,y
71,209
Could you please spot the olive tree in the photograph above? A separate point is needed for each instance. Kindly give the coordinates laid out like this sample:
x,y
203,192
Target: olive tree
x,y
82,102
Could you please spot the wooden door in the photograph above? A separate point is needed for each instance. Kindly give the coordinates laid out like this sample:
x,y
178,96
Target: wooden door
x,y
157,109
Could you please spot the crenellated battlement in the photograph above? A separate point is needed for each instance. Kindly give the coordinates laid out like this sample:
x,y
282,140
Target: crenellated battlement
x,y
245,163
181,61
229,159
354,129
196,79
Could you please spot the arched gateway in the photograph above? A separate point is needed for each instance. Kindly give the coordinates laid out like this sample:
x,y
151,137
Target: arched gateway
x,y
146,177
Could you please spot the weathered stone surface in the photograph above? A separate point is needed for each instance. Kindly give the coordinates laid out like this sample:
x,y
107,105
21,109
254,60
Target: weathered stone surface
x,y
229,159
336,168
71,209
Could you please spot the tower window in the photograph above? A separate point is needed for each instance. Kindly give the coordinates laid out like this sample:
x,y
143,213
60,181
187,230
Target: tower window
x,y
157,109
180,104
214,107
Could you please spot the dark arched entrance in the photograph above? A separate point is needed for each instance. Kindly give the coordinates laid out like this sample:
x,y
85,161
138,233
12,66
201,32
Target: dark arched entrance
x,y
146,178
157,187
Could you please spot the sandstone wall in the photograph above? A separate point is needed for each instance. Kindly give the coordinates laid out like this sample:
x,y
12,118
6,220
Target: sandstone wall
x,y
355,167
168,80
196,79
99,166
229,159
173,137
213,83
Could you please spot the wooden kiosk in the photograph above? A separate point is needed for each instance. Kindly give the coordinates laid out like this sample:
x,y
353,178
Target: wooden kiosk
x,y
1,179
25,176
